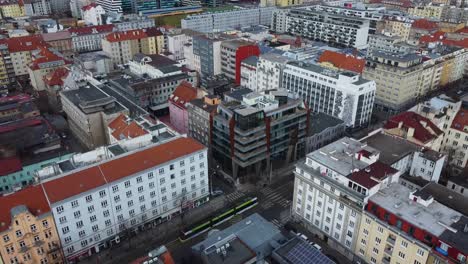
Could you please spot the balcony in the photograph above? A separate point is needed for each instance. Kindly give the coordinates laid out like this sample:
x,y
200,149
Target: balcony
x,y
386,260
388,250
391,240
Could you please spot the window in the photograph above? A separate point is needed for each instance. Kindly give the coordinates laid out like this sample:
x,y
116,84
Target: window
x,y
59,209
150,175
173,185
65,229
164,198
95,228
70,249
420,252
92,218
380,229
162,181
19,233
107,222
90,208
6,238
417,262
115,188
33,228
89,198
117,198
67,239
106,213
192,178
361,251
130,203
22,244
84,243
404,244
139,179
131,212
368,221
82,233
141,198
102,193
401,255
151,185
378,240
127,184
161,171
375,250
373,260
79,224
74,203
363,241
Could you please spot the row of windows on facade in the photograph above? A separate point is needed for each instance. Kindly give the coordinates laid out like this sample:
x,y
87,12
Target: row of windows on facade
x,y
19,233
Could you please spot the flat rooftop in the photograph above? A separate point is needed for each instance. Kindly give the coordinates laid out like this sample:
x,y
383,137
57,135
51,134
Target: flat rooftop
x,y
298,251
236,252
339,155
391,148
92,99
328,72
434,218
322,121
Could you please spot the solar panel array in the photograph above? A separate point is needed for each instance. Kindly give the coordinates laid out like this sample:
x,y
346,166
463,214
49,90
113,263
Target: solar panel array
x,y
303,253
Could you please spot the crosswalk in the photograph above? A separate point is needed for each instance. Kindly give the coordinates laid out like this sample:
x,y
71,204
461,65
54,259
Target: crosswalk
x,y
275,197
234,196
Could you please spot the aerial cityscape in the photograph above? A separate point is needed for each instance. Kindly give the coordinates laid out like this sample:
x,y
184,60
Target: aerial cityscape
x,y
234,131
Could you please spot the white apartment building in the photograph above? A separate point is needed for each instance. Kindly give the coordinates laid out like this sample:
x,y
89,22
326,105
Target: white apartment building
x,y
249,73
228,20
331,188
94,205
335,29
278,20
176,42
455,142
93,14
134,21
389,43
427,164
37,7
76,5
89,38
344,95
270,70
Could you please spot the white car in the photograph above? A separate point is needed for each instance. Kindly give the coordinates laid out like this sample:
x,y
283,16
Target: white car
x,y
319,248
302,236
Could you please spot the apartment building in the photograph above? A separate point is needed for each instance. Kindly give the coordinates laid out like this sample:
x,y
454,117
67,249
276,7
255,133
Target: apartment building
x,y
61,41
19,50
279,20
7,72
206,54
76,5
93,14
253,132
324,129
201,112
342,94
341,61
331,188
248,73
335,29
44,61
389,43
89,38
454,14
456,140
415,128
178,100
54,82
396,26
37,7
123,188
89,110
414,226
134,21
428,11
228,20
114,6
11,9
233,52
270,71
28,232
439,110
122,46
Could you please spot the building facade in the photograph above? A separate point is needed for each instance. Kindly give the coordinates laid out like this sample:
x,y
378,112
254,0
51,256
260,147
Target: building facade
x,y
270,71
44,61
85,39
344,95
93,14
201,113
233,52
324,129
114,6
178,100
248,73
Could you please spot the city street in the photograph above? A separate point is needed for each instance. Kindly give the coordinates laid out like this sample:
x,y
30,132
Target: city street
x,y
274,205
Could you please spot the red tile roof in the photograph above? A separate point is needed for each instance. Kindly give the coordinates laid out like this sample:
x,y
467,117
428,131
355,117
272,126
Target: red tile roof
x,y
9,165
461,120
414,120
148,158
463,30
183,94
131,130
133,34
89,7
32,197
25,43
343,61
73,184
113,170
463,43
54,36
56,77
91,29
45,55
436,37
424,24
118,122
372,174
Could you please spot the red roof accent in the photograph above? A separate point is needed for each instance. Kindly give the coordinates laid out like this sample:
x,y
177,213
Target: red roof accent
x,y
73,184
183,94
9,165
32,197
89,7
113,170
131,130
425,24
461,120
436,37
463,30
91,29
133,34
343,61
118,122
463,43
369,176
56,77
19,98
44,56
35,121
25,43
414,120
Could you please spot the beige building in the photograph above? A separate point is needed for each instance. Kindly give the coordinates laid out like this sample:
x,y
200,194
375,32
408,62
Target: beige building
x,y
395,27
44,61
122,46
455,143
28,233
427,11
11,9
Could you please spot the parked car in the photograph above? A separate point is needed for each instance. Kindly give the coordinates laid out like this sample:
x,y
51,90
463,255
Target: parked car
x,y
317,246
217,193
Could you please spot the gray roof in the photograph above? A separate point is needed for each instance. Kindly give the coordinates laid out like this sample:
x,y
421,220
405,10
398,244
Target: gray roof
x,y
298,251
275,57
334,73
252,61
397,56
254,231
200,103
321,121
237,94
340,155
392,149
92,99
93,56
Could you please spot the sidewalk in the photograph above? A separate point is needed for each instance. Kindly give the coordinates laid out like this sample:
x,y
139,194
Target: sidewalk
x,y
140,244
